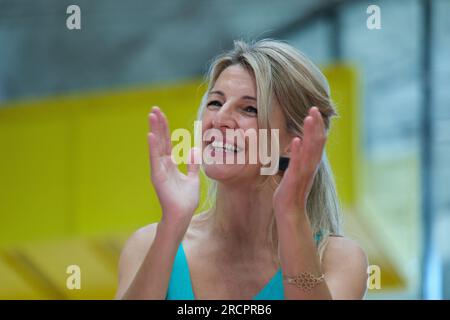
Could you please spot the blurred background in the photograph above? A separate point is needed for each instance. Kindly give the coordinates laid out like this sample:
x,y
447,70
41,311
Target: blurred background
x,y
74,172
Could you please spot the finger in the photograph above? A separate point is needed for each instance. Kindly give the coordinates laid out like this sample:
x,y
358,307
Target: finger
x,y
165,131
313,143
193,165
154,152
294,161
319,123
153,123
149,121
156,129
320,133
292,175
291,180
306,149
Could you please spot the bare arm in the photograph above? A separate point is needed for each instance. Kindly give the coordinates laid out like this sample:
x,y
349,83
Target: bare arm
x,y
345,267
146,261
345,264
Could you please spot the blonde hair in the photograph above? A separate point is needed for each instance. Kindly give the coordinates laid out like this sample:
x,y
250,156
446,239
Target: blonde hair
x,y
283,73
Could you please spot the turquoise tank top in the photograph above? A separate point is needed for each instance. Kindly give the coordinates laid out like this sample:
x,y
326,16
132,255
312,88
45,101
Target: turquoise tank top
x,y
180,286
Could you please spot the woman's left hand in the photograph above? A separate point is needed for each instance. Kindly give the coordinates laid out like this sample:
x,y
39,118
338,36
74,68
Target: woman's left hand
x,y
291,195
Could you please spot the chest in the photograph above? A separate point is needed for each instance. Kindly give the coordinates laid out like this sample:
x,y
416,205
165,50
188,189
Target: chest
x,y
220,277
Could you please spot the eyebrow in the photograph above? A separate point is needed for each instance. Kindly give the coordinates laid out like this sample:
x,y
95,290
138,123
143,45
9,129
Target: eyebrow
x,y
220,93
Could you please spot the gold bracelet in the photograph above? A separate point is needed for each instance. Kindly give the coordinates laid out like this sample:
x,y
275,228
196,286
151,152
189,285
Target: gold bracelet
x,y
305,280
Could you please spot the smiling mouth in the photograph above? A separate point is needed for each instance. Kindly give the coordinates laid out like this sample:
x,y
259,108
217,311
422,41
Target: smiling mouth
x,y
224,147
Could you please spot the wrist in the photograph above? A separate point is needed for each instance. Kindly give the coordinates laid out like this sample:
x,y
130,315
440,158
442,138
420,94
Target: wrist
x,y
291,215
173,228
292,225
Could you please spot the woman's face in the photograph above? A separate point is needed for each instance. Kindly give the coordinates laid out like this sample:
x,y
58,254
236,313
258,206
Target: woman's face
x,y
231,104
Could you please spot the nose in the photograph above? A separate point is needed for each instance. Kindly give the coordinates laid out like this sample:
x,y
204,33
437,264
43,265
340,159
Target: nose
x,y
223,118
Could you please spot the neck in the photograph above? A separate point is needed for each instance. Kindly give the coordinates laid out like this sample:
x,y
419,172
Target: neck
x,y
243,216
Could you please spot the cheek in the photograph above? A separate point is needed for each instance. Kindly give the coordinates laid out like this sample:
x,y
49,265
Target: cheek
x,y
248,124
206,121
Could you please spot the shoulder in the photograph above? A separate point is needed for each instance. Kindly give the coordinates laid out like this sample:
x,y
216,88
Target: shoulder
x,y
138,243
136,247
143,235
141,239
345,266
133,253
338,246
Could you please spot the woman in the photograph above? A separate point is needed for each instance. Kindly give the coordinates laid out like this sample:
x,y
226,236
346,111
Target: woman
x,y
265,237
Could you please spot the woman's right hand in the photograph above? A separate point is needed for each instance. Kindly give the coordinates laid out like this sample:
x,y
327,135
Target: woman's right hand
x,y
178,193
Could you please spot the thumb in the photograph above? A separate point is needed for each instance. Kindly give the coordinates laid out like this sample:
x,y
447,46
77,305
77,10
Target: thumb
x,y
193,165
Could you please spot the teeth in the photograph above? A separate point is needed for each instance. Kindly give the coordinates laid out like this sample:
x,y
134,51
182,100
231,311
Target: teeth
x,y
226,146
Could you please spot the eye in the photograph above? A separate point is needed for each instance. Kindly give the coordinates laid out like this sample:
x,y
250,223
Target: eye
x,y
251,110
216,103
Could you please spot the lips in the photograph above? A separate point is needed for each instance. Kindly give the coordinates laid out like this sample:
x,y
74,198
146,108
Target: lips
x,y
224,146
227,147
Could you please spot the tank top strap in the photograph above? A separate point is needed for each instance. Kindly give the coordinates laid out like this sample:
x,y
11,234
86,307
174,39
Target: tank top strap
x,y
180,287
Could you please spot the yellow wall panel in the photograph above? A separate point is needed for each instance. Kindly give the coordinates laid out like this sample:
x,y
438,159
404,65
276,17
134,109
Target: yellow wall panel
x,y
79,164
34,198
13,286
114,188
98,279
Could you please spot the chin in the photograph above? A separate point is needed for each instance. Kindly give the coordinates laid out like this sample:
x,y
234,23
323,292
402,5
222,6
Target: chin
x,y
233,172
223,172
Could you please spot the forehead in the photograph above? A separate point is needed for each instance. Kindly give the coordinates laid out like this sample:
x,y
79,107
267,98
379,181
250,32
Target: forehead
x,y
237,79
